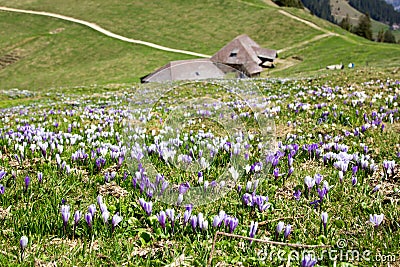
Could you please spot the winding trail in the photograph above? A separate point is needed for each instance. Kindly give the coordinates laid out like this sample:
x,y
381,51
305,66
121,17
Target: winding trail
x,y
104,31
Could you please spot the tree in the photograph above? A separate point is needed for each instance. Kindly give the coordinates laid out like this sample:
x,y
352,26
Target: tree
x,y
345,23
388,37
364,28
379,38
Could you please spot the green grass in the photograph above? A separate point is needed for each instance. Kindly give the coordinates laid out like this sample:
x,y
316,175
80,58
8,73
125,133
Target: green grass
x,y
139,239
79,56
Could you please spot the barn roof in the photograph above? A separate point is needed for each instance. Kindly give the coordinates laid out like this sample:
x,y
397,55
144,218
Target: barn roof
x,y
192,69
245,52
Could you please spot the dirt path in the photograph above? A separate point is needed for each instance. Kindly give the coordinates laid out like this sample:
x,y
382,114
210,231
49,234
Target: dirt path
x,y
104,31
316,38
309,23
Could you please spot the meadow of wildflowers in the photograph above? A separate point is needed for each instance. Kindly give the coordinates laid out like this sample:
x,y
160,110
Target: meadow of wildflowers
x,y
146,176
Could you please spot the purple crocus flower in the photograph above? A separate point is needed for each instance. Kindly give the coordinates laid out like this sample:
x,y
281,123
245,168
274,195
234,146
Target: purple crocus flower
x,y
247,199
217,221
324,219
318,178
88,219
2,189
276,173
77,217
186,216
253,229
23,242
308,261
355,169
103,207
116,219
40,177
105,216
354,180
375,219
193,222
183,188
290,172
297,194
321,193
279,228
162,218
27,182
99,199
171,216
231,223
65,213
146,206
287,231
92,209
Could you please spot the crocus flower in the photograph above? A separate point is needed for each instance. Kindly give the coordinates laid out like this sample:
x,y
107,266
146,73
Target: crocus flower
x,y
217,221
375,219
186,216
92,209
376,188
308,261
146,206
105,216
27,182
88,219
288,230
340,176
354,180
180,199
310,182
279,228
232,223
193,222
324,219
23,242
162,218
40,177
318,178
65,213
103,207
171,216
2,189
276,173
321,193
77,217
99,199
116,219
291,170
297,194
253,229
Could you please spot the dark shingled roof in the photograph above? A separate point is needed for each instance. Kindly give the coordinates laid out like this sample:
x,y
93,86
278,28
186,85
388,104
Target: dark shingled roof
x,y
243,52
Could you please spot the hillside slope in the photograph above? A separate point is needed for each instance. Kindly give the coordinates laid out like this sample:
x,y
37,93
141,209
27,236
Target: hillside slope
x,y
49,52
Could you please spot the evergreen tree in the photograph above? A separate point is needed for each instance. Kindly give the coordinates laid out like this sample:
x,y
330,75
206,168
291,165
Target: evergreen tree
x,y
345,23
379,38
388,37
364,27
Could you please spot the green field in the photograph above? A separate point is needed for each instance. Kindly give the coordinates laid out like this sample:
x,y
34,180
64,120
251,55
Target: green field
x,y
76,55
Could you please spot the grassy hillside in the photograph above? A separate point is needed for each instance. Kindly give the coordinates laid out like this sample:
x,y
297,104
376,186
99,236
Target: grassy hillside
x,y
50,53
